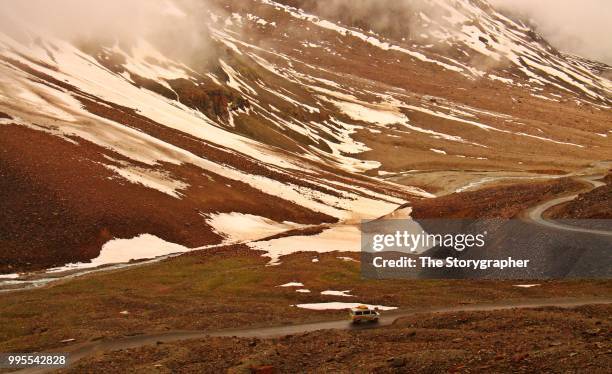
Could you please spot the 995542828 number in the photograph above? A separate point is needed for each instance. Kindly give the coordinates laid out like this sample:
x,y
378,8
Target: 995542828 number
x,y
25,360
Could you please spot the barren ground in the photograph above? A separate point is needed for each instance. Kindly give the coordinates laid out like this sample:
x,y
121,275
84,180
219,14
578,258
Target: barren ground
x,y
534,340
230,287
595,204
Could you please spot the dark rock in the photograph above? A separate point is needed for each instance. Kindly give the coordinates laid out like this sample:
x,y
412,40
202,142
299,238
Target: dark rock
x,y
268,369
397,362
593,332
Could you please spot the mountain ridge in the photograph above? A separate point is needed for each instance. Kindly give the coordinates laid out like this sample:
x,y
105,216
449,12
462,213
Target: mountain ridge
x,y
283,115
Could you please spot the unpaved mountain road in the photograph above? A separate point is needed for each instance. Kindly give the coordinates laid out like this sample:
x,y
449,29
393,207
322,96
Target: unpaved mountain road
x,y
535,214
77,352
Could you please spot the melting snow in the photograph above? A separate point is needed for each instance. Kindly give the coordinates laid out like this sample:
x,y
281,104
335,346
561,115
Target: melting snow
x,y
147,149
370,114
158,180
337,293
387,114
366,38
239,227
335,305
292,284
234,80
336,238
501,79
115,251
549,140
162,70
526,285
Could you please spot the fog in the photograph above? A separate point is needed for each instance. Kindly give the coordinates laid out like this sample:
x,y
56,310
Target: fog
x,y
389,17
582,27
178,27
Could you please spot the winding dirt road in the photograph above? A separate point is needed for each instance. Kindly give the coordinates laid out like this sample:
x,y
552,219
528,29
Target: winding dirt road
x,y
77,352
535,214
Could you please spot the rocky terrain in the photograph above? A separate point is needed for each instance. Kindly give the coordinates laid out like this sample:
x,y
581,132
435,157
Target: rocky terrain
x,y
282,115
231,287
595,204
204,165
524,341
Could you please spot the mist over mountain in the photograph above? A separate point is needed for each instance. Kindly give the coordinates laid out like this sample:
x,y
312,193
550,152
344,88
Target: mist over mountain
x,y
174,26
580,27
202,186
177,119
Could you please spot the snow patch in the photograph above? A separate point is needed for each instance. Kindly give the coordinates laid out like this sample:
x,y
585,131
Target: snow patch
x,y
292,284
526,285
335,305
238,227
158,180
337,293
437,151
370,114
115,251
336,238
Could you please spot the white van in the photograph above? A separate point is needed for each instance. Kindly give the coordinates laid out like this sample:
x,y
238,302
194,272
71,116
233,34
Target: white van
x,y
364,313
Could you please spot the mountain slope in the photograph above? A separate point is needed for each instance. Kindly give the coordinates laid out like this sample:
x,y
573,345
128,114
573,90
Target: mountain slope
x,y
283,118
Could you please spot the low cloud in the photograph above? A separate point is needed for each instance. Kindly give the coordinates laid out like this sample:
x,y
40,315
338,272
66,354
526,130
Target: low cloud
x,y
178,27
579,27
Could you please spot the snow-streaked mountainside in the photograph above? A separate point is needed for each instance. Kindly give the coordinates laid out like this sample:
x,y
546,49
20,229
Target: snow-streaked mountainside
x,y
285,118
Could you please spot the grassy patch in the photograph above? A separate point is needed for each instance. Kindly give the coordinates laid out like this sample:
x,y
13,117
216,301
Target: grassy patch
x,y
224,288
